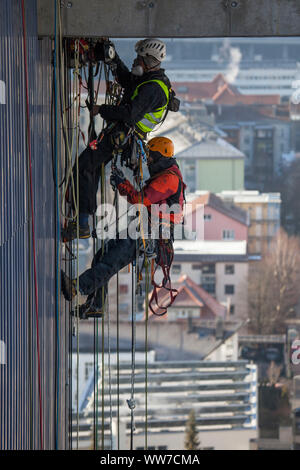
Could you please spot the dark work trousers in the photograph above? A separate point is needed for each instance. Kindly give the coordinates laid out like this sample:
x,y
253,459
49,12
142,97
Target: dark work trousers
x,y
89,165
117,254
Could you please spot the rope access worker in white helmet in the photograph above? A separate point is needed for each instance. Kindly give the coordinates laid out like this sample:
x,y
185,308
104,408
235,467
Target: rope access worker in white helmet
x,y
147,98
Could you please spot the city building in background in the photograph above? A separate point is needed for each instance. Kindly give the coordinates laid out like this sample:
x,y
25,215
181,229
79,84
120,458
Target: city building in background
x,y
192,363
220,91
263,134
264,216
192,301
221,220
264,66
221,268
206,160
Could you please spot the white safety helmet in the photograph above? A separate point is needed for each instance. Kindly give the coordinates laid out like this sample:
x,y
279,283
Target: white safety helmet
x,y
151,47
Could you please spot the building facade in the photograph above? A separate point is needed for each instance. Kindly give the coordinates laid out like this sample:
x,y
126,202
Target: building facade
x,y
263,133
34,391
264,217
208,217
212,164
221,268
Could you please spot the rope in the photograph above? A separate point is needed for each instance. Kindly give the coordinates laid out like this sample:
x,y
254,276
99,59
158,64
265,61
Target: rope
x,y
57,293
96,322
118,324
69,265
77,227
69,327
131,402
97,392
146,348
32,221
103,365
76,100
109,374
95,357
72,111
92,100
30,323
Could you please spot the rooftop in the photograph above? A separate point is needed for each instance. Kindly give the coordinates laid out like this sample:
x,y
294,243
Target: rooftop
x,y
208,247
227,208
250,196
192,339
220,91
247,113
211,147
200,142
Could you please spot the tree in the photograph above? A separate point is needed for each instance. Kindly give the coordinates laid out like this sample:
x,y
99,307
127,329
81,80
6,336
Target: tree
x,y
273,289
191,435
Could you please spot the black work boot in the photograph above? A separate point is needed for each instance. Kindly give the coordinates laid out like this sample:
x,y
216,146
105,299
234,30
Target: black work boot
x,y
70,232
87,311
68,286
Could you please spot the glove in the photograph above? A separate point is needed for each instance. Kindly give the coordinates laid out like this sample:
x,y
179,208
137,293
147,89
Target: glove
x,y
105,111
116,178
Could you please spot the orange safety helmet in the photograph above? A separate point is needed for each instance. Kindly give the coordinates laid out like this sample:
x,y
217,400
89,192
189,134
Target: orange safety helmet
x,y
163,145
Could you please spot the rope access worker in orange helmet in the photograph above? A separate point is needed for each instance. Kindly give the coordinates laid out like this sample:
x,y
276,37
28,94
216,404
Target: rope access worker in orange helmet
x,y
164,187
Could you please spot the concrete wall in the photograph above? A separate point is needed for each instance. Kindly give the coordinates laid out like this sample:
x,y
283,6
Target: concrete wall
x,y
174,18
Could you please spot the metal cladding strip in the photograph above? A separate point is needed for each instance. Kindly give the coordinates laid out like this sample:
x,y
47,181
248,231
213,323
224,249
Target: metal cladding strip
x,y
19,416
32,208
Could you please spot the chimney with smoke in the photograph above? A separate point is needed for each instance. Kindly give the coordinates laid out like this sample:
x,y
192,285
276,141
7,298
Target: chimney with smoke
x,y
233,56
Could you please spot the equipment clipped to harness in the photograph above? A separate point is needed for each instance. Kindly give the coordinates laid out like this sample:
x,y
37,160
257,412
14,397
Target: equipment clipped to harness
x,y
84,52
104,50
164,259
138,153
93,51
129,149
107,130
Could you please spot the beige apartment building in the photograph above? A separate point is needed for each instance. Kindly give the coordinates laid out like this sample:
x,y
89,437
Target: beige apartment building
x,y
221,268
264,216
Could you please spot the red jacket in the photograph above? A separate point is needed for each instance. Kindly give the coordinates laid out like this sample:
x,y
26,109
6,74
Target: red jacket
x,y
159,190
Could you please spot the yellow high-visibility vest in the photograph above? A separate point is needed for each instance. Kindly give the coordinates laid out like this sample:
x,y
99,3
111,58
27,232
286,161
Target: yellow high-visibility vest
x,y
150,120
